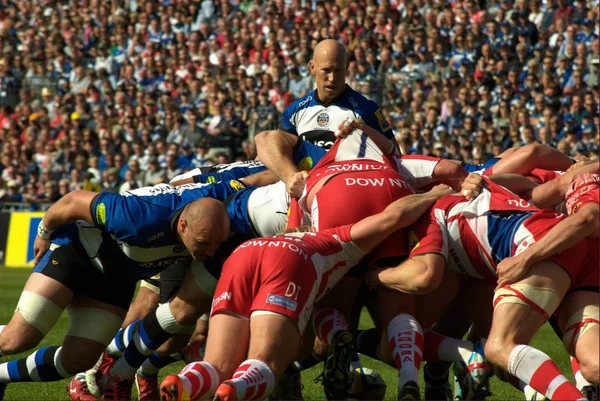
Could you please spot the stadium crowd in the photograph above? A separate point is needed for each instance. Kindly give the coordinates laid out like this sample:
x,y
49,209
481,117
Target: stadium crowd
x,y
122,94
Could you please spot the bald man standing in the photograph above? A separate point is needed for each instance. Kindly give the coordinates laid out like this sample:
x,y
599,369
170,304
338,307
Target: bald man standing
x,y
316,116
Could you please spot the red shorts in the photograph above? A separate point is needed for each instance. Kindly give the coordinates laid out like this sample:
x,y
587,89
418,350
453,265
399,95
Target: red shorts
x,y
267,279
347,198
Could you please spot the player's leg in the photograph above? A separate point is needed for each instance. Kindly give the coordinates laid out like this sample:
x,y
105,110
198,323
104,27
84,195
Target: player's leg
x,y
84,385
41,303
274,343
94,317
578,318
193,298
226,348
520,310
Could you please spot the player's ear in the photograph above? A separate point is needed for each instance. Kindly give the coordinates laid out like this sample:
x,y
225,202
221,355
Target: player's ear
x,y
182,225
311,65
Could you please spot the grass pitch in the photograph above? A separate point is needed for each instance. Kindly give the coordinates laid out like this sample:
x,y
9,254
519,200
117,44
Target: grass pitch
x,y
11,285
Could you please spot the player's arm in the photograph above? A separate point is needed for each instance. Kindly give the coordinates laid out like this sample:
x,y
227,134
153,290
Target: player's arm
x,y
276,150
552,193
73,206
370,232
449,173
523,160
585,223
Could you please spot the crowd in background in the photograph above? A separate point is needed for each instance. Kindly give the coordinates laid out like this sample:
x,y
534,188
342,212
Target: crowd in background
x,y
117,94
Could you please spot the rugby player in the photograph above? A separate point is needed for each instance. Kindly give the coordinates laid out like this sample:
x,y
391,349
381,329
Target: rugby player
x,y
90,251
510,225
266,313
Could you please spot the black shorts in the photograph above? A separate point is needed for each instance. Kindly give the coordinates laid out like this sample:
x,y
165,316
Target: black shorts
x,y
70,266
171,279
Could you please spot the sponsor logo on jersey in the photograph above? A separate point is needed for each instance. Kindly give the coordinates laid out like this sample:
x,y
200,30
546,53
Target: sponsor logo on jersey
x,y
237,185
323,119
413,241
282,301
306,163
376,182
276,244
352,101
302,103
156,236
101,213
224,296
384,124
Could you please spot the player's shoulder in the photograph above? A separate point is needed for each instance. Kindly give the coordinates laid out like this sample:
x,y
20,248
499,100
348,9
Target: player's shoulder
x,y
306,101
356,100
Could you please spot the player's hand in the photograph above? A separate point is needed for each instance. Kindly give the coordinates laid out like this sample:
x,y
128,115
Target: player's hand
x,y
296,183
347,126
441,190
40,246
471,186
511,270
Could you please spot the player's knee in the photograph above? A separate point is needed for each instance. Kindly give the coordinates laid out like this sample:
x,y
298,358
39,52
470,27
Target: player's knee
x,y
495,346
186,313
74,362
588,366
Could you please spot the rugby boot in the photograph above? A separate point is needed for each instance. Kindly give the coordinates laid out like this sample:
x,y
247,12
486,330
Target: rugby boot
x,y
410,391
78,389
437,388
337,376
226,392
116,389
289,388
591,392
474,377
147,387
172,389
106,364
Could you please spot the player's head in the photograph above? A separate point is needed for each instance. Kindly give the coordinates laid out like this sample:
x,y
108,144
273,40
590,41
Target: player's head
x,y
202,226
328,65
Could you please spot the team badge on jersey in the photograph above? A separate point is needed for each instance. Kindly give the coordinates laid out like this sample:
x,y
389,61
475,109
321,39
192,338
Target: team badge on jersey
x,y
323,119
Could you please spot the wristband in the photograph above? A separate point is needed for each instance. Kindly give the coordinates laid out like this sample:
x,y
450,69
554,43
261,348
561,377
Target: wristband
x,y
43,232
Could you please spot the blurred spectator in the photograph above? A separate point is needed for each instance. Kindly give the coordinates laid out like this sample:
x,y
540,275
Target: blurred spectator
x,y
90,91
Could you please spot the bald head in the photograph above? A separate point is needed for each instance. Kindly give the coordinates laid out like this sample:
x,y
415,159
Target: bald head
x,y
330,50
203,226
328,65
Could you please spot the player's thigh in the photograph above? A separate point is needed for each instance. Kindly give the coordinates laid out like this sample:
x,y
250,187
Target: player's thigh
x,y
274,339
227,343
193,298
92,326
578,320
342,295
40,305
521,308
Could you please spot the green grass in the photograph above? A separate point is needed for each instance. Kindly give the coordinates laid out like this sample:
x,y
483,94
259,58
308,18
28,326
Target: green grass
x,y
11,285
